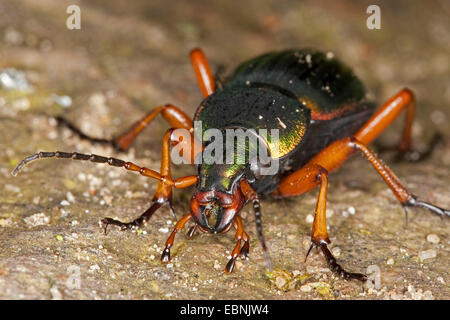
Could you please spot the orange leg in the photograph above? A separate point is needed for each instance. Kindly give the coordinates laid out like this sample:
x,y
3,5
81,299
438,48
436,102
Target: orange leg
x,y
165,257
240,236
163,194
386,115
332,157
319,235
202,72
173,115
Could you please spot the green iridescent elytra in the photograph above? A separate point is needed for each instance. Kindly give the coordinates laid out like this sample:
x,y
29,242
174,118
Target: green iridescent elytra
x,y
297,92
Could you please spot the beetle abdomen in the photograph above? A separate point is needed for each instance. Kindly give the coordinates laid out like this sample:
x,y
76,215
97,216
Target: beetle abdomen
x,y
319,81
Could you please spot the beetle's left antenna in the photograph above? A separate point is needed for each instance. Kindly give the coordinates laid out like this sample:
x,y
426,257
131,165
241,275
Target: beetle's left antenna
x,y
257,208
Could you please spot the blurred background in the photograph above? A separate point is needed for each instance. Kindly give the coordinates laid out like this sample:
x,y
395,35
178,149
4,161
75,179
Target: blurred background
x,y
130,56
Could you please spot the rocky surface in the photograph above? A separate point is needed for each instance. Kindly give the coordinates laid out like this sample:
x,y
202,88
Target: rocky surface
x,y
129,57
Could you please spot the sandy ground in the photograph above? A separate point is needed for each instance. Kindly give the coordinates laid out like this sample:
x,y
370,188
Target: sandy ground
x,y
129,57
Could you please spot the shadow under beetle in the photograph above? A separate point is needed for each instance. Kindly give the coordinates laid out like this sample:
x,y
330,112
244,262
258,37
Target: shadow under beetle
x,y
320,109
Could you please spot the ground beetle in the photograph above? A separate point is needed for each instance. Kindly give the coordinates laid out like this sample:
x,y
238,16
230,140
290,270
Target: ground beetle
x,y
323,117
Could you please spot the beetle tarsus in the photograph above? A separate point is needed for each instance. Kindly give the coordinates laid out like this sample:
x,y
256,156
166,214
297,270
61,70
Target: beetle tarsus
x,y
412,155
334,266
136,223
414,202
165,256
230,265
192,231
245,250
62,122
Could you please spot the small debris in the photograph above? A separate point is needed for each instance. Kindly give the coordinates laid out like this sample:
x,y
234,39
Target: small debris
x,y
56,294
433,238
427,254
329,213
280,282
336,251
13,79
70,196
306,288
309,218
5,222
65,203
217,265
306,244
63,101
37,219
94,267
163,230
390,261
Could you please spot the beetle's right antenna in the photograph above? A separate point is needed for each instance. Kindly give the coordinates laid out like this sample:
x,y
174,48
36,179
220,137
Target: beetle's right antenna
x,y
89,157
257,208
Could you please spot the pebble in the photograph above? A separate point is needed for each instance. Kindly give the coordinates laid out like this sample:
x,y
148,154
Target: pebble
x,y
56,294
163,230
390,261
70,196
306,288
306,244
280,282
427,254
433,238
336,251
309,218
94,267
329,213
37,219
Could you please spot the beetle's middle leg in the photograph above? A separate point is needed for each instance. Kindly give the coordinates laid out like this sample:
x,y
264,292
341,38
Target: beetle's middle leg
x,y
403,101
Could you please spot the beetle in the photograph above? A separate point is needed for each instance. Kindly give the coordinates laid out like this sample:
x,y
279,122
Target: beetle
x,y
322,115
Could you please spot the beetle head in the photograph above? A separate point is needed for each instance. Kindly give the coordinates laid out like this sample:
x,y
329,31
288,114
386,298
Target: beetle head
x,y
214,210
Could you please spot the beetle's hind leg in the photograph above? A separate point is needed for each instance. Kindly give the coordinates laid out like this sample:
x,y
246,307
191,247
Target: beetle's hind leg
x,y
403,100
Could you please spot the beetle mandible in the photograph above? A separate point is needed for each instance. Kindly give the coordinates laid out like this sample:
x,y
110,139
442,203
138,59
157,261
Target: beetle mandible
x,y
323,116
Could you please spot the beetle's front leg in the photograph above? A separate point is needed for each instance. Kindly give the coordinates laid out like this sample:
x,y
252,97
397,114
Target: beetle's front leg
x,y
240,236
163,194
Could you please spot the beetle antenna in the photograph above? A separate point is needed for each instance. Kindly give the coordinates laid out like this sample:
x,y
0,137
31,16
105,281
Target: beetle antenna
x,y
257,208
89,157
